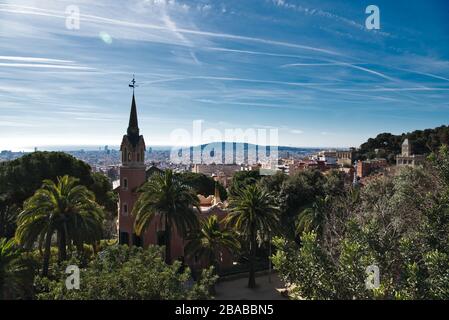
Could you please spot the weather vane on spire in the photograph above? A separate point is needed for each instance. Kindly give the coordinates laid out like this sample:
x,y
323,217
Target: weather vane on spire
x,y
133,83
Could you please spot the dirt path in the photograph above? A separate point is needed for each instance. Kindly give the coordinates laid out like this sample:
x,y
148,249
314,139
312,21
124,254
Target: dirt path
x,y
237,289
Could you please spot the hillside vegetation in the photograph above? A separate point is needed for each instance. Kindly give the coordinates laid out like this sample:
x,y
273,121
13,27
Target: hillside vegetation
x,y
389,145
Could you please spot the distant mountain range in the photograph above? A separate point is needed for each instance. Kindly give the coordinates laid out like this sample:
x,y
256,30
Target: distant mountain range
x,y
240,152
238,145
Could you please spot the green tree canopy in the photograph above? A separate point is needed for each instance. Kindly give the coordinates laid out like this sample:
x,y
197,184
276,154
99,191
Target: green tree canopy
x,y
389,145
16,273
128,273
241,179
20,178
65,208
8,217
210,240
399,223
202,184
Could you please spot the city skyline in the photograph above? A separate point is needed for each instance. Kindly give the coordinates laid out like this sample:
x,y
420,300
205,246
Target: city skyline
x,y
310,69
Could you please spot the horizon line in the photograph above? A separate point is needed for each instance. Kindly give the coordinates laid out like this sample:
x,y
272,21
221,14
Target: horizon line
x,y
79,147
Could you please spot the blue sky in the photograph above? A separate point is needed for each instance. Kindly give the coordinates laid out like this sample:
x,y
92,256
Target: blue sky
x,y
311,69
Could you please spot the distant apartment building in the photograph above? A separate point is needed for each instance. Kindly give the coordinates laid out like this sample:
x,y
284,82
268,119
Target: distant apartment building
x,y
336,157
328,153
407,158
365,168
345,158
305,164
327,156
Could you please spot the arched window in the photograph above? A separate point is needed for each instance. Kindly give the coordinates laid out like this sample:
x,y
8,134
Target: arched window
x,y
125,152
130,156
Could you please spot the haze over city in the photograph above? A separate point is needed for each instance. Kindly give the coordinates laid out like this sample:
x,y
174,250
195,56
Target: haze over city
x,y
310,69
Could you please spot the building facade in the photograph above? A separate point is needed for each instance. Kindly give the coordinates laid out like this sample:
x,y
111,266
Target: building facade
x,y
407,158
132,176
346,158
367,167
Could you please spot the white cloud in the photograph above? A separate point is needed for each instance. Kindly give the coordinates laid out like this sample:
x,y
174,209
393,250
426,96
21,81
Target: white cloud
x,y
325,14
53,66
33,59
170,27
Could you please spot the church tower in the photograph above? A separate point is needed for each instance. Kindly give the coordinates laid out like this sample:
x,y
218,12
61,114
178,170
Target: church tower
x,y
132,176
406,148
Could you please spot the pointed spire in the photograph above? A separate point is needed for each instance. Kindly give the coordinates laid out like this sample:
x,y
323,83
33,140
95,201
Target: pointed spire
x,y
133,123
133,127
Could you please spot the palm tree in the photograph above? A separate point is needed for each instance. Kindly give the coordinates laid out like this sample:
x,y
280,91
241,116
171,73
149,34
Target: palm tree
x,y
165,196
65,208
253,212
210,240
13,272
313,218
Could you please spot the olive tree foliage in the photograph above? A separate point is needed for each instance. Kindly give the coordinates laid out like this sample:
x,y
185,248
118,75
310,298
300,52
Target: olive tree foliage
x,y
399,223
127,273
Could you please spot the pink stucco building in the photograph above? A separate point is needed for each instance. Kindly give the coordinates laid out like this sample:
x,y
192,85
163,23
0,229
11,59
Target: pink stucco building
x,y
133,174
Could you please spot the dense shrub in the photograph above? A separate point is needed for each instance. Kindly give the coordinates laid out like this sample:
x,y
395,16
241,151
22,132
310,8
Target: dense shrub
x,y
122,272
399,223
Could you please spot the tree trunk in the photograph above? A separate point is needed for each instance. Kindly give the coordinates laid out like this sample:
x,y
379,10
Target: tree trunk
x,y
216,265
47,254
252,256
65,240
269,258
167,241
58,243
62,246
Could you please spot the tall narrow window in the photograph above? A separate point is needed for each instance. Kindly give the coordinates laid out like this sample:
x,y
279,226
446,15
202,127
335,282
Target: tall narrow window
x,y
125,183
123,237
125,209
